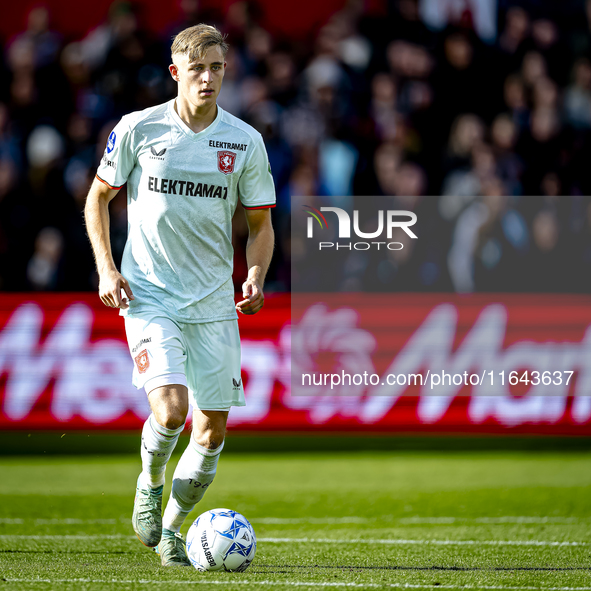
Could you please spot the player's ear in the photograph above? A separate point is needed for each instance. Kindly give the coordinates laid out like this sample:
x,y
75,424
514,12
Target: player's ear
x,y
174,72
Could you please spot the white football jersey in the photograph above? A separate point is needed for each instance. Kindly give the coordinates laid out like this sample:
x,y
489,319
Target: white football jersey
x,y
182,190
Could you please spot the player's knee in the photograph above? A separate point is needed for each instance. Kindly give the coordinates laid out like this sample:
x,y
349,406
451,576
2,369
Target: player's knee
x,y
171,418
170,406
174,422
210,438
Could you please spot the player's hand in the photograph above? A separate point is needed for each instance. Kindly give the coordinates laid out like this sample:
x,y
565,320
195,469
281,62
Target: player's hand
x,y
254,298
110,286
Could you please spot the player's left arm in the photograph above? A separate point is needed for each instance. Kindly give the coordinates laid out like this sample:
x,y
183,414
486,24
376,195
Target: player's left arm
x,y
259,251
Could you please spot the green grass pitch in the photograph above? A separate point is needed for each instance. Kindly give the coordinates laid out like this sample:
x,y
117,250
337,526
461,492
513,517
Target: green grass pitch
x,y
496,520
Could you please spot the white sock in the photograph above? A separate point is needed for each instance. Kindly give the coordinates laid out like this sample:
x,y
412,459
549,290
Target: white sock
x,y
158,442
193,475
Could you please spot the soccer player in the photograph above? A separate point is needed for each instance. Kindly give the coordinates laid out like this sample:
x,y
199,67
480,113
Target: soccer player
x,y
186,163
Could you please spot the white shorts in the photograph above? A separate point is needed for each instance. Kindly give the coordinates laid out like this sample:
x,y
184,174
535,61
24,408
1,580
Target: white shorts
x,y
204,357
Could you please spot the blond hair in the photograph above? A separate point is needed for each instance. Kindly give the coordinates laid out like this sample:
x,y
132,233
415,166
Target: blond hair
x,y
195,41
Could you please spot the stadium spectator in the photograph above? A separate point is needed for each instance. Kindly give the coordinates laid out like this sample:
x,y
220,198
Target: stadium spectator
x,y
44,268
577,98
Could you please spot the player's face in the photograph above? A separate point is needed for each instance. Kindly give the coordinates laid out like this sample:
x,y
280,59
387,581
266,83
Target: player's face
x,y
200,81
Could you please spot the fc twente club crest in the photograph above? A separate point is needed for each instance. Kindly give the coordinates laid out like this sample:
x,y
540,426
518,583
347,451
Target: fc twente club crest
x,y
142,361
226,161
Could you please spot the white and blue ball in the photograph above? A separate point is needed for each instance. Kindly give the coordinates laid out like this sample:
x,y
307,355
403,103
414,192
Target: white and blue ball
x,y
221,539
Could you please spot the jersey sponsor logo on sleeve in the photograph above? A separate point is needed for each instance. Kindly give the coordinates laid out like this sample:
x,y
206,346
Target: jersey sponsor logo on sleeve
x,y
111,142
226,161
108,162
187,188
142,361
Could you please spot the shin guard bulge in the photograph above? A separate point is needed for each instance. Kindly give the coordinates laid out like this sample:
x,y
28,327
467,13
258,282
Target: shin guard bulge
x,y
193,475
158,444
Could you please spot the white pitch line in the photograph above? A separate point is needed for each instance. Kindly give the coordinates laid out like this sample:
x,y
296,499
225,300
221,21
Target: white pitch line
x,y
400,542
311,520
488,520
75,521
428,520
68,537
403,542
19,520
300,584
541,520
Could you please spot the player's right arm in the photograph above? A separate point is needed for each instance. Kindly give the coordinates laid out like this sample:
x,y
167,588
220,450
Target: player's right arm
x,y
96,213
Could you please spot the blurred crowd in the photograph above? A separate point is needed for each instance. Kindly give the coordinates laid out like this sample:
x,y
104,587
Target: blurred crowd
x,y
460,125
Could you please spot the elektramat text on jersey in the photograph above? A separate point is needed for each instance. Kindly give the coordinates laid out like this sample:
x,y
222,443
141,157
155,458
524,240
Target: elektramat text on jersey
x,y
227,145
187,188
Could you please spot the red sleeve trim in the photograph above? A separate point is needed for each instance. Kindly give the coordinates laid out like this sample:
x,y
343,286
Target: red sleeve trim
x,y
259,206
105,183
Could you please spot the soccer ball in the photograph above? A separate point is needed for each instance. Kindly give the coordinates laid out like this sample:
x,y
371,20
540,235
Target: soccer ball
x,y
221,539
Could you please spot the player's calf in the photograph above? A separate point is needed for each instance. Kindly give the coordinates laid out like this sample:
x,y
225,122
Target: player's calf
x,y
193,476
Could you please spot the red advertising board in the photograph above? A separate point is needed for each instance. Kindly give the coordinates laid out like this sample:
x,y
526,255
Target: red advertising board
x,y
487,364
